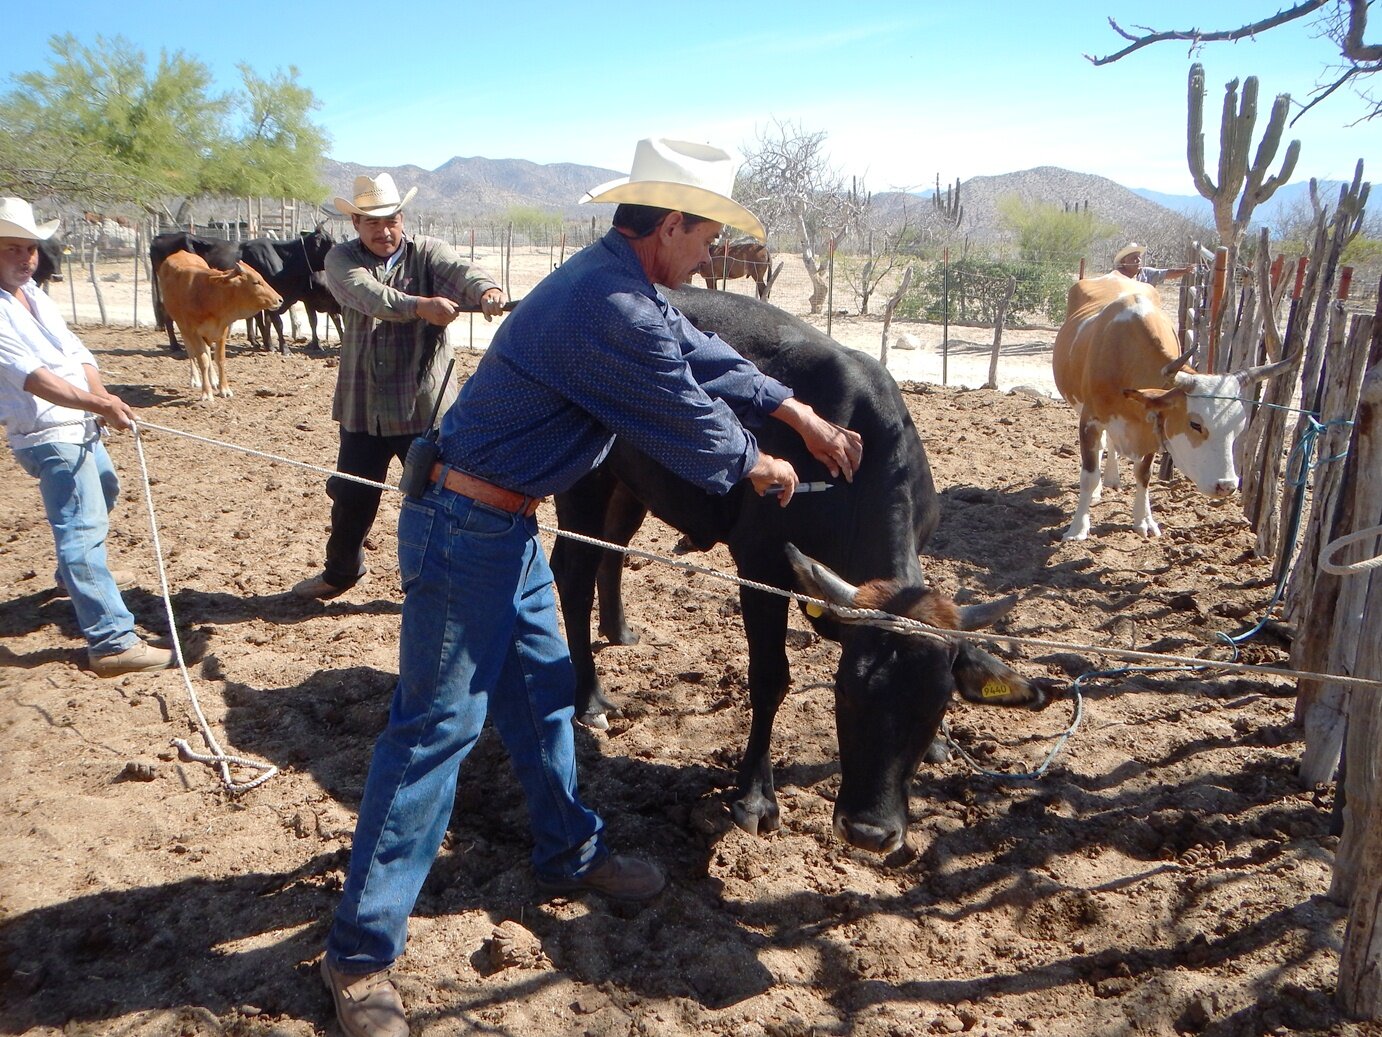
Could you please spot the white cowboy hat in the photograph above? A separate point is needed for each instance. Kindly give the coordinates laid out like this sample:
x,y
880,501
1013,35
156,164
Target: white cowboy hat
x,y
682,176
1130,249
375,196
17,221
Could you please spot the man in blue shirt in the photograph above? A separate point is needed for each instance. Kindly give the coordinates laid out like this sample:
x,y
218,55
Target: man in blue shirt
x,y
594,351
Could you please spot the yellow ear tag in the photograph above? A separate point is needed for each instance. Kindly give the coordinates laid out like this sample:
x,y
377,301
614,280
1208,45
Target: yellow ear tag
x,y
995,689
814,611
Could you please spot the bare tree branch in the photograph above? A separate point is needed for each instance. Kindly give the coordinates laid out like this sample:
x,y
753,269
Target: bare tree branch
x,y
1342,21
1196,37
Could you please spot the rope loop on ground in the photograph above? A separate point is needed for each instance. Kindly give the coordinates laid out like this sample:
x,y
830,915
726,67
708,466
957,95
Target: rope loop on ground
x,y
217,757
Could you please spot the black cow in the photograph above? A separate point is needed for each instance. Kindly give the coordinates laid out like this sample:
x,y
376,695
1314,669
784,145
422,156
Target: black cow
x,y
891,689
320,300
49,262
218,253
289,267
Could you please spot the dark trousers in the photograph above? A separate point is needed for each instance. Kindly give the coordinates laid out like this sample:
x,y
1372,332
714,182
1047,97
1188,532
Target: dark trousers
x,y
353,505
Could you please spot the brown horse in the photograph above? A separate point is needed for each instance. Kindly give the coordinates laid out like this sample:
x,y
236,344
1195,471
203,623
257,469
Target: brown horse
x,y
738,259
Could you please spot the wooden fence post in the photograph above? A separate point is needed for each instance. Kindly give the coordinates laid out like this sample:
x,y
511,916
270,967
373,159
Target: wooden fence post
x,y
998,318
1327,629
1357,875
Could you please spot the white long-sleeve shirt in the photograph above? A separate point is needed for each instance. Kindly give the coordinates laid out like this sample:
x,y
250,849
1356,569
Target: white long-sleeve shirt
x,y
34,341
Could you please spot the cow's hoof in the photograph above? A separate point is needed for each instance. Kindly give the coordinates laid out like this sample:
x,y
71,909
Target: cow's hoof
x,y
760,818
938,751
624,635
1148,529
1075,534
594,721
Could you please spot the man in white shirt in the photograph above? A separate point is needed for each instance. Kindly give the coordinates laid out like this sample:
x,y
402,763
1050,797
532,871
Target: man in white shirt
x,y
50,399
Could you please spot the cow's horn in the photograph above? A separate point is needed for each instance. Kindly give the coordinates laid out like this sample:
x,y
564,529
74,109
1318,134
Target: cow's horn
x,y
1256,374
1178,363
976,617
819,581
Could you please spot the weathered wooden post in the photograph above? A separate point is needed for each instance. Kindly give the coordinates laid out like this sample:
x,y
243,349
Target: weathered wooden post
x,y
888,313
1357,875
1000,315
1328,634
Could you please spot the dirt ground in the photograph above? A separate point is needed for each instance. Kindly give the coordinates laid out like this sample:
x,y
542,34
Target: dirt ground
x,y
1166,874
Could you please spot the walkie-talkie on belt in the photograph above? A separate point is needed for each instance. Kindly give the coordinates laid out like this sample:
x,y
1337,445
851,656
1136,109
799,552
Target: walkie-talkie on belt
x,y
424,451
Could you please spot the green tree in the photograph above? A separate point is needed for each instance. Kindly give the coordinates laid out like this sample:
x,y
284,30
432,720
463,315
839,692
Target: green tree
x,y
157,131
278,149
530,222
1047,233
100,123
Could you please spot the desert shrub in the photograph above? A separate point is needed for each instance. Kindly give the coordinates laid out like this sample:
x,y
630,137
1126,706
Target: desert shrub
x,y
977,286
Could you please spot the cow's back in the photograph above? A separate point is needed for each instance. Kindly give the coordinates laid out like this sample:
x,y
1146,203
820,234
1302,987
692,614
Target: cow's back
x,y
1115,336
892,494
182,277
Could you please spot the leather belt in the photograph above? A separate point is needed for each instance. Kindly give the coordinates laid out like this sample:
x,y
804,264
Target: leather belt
x,y
486,493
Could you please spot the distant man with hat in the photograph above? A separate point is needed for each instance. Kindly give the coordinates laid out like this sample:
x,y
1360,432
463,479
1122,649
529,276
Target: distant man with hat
x,y
52,404
397,294
594,351
1128,262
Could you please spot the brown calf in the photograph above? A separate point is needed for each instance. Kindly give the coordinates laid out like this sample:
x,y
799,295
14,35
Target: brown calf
x,y
205,303
737,259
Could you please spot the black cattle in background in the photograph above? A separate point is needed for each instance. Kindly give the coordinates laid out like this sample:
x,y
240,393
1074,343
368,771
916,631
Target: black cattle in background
x,y
218,253
891,689
49,262
320,300
290,266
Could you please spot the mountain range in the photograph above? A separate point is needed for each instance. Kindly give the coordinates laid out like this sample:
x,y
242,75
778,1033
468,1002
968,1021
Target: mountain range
x,y
474,187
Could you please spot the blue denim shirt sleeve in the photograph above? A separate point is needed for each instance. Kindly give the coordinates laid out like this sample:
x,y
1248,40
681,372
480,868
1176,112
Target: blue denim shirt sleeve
x,y
725,375
592,352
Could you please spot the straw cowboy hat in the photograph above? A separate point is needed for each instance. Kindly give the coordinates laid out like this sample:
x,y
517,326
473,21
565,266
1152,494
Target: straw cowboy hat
x,y
682,176
375,196
17,221
1130,249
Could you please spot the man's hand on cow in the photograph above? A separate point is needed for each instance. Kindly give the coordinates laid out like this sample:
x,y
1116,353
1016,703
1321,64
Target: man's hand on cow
x,y
839,449
492,303
772,471
437,310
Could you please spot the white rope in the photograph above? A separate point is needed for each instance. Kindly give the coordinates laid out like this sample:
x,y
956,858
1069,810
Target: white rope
x,y
1328,564
899,624
218,757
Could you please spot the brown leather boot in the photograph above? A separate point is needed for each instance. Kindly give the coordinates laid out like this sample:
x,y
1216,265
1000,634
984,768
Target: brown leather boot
x,y
367,1005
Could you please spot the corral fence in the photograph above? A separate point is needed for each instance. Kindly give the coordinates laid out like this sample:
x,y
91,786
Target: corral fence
x,y
111,240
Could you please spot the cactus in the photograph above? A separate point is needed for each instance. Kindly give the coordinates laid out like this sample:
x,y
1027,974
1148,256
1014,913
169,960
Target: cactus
x,y
951,211
1235,138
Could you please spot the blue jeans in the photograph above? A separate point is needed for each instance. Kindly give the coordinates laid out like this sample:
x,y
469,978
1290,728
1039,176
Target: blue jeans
x,y
79,487
479,635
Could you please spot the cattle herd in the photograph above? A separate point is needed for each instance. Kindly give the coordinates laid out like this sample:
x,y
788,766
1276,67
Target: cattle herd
x,y
292,268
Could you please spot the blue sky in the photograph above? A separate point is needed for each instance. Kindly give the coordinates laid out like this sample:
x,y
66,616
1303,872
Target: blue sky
x,y
904,89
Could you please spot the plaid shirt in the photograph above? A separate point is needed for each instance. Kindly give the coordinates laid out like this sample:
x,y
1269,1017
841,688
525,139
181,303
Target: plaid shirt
x,y
392,362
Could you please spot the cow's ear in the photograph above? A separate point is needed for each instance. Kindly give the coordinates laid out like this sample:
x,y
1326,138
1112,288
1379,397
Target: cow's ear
x,y
983,679
1153,399
819,581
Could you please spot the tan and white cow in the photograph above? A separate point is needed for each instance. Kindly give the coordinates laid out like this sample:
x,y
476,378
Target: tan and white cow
x,y
1117,360
205,303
